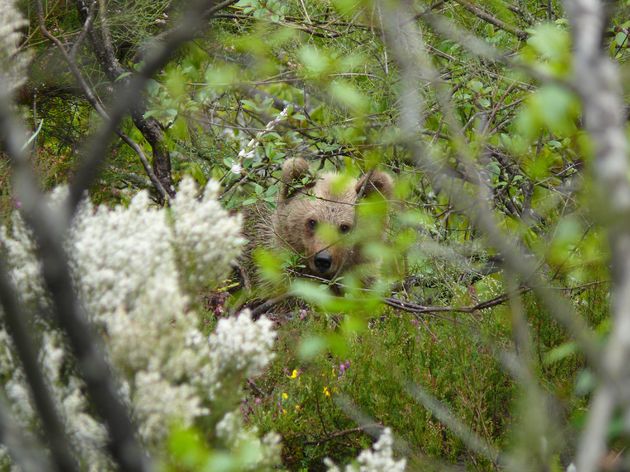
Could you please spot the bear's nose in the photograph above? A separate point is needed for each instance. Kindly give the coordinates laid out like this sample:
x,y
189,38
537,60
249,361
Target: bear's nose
x,y
323,261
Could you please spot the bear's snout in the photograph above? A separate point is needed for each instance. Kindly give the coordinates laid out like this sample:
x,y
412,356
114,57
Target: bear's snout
x,y
323,261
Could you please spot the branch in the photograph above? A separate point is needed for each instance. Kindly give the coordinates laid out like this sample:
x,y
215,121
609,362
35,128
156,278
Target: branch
x,y
87,25
598,83
345,432
491,303
25,452
89,94
422,309
16,324
150,128
485,16
49,230
405,42
130,94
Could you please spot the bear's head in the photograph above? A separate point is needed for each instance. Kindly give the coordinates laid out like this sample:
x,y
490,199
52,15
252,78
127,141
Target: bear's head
x,y
307,201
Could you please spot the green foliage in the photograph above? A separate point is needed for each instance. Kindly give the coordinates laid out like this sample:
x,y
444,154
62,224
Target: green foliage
x,y
275,80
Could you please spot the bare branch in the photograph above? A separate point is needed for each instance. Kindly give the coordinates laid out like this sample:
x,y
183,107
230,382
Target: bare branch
x,y
16,324
49,229
598,82
422,309
25,452
87,25
91,97
345,432
130,94
485,16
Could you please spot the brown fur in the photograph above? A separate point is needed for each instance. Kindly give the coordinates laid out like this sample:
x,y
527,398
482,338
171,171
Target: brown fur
x,y
305,199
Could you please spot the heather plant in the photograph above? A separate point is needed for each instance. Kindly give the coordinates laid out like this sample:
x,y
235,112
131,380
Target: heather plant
x,y
137,269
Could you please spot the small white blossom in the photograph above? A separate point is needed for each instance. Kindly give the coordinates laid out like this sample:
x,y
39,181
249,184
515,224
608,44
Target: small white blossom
x,y
13,64
249,150
242,344
207,238
136,269
261,454
379,458
160,404
246,154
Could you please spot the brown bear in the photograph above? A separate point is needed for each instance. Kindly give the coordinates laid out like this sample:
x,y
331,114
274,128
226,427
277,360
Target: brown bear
x,y
307,201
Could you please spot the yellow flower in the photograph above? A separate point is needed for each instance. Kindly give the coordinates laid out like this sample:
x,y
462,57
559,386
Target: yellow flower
x,y
285,395
326,391
298,408
294,374
284,412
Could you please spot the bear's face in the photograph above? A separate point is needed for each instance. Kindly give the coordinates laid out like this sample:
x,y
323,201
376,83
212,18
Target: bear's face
x,y
303,211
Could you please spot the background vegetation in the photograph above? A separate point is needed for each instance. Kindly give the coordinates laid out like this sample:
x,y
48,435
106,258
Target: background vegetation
x,y
457,351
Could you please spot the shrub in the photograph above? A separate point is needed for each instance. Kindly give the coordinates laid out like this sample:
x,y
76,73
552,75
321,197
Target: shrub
x,y
137,269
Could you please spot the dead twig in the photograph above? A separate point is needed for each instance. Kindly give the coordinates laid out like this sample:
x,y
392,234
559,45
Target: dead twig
x,y
345,432
493,20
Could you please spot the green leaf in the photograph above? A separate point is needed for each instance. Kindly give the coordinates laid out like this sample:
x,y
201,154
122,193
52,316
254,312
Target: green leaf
x,y
315,61
550,41
311,347
347,8
312,293
349,96
561,352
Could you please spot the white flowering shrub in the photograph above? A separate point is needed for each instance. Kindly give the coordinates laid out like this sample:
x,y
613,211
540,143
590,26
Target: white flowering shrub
x,y
13,62
380,458
136,269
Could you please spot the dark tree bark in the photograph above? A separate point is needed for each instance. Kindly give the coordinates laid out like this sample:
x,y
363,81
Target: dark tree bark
x,y
150,128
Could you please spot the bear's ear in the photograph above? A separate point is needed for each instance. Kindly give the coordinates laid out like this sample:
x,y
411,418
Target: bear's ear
x,y
380,182
293,171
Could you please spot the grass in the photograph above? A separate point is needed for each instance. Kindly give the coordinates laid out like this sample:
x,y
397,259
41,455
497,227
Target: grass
x,y
317,404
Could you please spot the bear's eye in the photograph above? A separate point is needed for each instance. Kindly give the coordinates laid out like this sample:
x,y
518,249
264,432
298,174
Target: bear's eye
x,y
311,223
344,228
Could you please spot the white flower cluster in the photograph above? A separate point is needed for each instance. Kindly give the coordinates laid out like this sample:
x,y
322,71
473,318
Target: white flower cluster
x,y
19,249
378,459
242,344
205,246
249,150
261,454
136,269
85,432
13,63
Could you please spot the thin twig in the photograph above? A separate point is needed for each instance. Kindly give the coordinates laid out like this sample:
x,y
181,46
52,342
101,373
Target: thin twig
x,y
91,97
345,432
194,19
262,308
485,16
445,416
84,31
498,300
